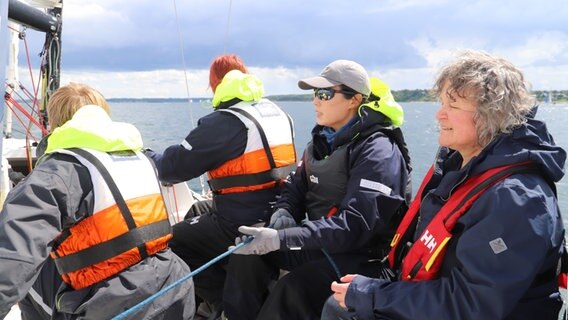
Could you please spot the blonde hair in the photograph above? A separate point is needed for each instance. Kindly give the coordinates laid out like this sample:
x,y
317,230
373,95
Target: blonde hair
x,y
68,99
495,85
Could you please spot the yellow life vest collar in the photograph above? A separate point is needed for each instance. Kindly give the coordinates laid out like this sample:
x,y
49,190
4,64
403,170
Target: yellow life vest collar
x,y
236,84
92,128
386,104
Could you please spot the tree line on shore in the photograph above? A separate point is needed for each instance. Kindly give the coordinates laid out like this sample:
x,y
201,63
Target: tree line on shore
x,y
406,95
423,95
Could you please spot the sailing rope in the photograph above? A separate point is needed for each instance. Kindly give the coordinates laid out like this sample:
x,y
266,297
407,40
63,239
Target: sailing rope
x,y
35,104
49,65
23,37
12,103
181,45
190,275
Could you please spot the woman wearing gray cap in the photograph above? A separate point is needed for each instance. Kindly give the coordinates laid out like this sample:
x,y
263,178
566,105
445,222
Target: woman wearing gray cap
x,y
351,185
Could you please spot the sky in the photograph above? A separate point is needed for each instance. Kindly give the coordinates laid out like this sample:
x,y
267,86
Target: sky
x,y
163,49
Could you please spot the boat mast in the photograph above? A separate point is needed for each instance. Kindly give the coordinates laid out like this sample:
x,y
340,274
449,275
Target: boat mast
x,y
32,17
48,22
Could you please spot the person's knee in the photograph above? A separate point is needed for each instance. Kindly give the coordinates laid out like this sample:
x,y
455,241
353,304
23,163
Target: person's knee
x,y
199,208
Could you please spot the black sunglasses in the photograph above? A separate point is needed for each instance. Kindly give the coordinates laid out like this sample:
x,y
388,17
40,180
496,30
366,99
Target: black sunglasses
x,y
325,94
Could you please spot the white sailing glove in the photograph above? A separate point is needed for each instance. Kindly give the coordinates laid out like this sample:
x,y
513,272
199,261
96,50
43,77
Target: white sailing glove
x,y
265,240
282,219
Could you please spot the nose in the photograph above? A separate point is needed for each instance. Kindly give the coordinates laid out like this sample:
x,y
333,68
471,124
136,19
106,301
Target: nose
x,y
316,101
441,113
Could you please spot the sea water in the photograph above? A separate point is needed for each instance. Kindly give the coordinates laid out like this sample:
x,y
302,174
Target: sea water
x,y
166,123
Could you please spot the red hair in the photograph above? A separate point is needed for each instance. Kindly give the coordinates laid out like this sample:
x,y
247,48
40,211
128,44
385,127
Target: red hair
x,y
223,64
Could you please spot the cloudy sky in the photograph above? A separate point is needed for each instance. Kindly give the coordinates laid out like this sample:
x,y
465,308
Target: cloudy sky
x,y
138,48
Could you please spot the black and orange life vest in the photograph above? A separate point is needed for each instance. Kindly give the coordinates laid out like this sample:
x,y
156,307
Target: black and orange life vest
x,y
269,155
425,256
129,220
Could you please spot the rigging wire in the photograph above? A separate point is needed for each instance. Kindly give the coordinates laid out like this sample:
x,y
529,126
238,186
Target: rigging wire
x,y
24,38
13,105
29,111
227,27
181,44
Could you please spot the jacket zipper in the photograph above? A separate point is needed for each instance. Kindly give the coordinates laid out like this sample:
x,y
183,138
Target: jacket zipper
x,y
414,270
454,188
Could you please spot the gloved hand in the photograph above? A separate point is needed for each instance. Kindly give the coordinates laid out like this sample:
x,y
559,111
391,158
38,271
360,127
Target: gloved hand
x,y
265,240
282,219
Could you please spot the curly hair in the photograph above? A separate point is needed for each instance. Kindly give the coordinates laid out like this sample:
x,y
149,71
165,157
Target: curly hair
x,y
494,85
68,99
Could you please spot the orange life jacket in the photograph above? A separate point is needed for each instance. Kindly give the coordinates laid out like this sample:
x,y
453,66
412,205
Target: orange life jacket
x,y
128,224
269,155
425,256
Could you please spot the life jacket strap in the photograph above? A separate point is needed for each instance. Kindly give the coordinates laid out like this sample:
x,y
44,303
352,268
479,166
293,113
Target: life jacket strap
x,y
263,138
112,248
245,180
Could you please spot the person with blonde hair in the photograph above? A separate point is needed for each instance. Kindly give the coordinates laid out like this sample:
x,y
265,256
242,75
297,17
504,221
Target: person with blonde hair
x,y
69,99
483,237
88,227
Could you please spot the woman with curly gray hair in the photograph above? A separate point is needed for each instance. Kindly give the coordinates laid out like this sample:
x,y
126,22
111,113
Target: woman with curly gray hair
x,y
483,237
493,84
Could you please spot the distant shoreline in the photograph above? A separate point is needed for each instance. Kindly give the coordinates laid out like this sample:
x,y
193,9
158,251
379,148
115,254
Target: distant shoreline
x,y
417,95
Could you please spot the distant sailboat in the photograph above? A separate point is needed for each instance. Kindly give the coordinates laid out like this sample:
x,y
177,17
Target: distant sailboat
x,y
549,97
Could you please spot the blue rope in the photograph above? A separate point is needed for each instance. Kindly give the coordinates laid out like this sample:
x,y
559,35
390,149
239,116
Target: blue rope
x,y
333,264
151,298
156,295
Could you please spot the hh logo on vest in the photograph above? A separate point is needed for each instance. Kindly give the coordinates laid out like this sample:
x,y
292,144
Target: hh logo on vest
x,y
314,179
428,240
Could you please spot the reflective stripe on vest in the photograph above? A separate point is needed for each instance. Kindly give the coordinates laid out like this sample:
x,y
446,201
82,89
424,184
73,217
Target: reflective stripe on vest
x,y
425,256
269,155
129,220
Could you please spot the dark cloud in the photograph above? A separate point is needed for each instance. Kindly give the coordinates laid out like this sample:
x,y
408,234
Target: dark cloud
x,y
135,35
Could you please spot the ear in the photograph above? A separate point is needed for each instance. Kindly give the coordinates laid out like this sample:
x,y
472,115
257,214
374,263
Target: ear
x,y
356,101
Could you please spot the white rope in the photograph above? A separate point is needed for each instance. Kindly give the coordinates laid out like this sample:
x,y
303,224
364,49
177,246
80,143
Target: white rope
x,y
181,45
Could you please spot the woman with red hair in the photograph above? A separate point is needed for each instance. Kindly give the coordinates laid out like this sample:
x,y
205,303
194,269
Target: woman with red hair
x,y
223,64
246,147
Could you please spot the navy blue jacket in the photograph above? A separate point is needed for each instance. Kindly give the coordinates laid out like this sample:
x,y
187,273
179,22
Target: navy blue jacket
x,y
218,138
477,281
364,212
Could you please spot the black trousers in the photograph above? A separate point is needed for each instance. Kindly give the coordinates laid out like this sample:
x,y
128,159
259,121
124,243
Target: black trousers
x,y
300,294
199,239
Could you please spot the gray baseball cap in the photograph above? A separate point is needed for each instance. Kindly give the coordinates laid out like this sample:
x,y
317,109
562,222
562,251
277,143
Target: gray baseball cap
x,y
338,72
